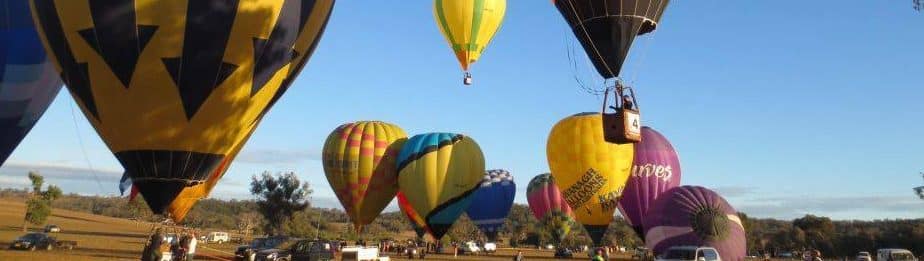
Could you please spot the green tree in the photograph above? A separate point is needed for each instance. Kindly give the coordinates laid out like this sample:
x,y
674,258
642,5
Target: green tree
x,y
38,206
279,197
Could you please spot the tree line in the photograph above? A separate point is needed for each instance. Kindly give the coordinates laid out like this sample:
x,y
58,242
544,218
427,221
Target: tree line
x,y
281,205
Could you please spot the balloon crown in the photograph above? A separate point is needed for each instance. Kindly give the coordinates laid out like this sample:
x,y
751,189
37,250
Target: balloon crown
x,y
710,224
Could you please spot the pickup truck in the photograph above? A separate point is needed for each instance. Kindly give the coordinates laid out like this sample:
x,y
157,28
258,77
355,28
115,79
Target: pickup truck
x,y
33,241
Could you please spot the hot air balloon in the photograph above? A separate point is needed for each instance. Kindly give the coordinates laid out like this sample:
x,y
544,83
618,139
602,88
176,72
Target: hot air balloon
x,y
492,202
696,216
469,26
174,88
607,28
359,160
655,169
28,79
589,171
438,172
417,222
548,206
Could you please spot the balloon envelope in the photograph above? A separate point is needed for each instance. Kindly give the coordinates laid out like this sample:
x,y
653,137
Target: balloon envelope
x,y
607,28
29,81
417,222
589,171
438,172
359,162
655,169
548,206
697,216
492,202
469,25
175,87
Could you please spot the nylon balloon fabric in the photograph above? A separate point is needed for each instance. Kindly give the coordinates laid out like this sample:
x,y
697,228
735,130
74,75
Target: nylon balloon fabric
x,y
417,222
655,169
469,25
589,171
697,216
492,201
548,206
438,173
174,88
607,28
359,162
29,81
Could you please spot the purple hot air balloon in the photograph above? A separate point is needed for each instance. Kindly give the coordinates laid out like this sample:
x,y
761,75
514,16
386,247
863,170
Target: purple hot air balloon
x,y
655,170
697,216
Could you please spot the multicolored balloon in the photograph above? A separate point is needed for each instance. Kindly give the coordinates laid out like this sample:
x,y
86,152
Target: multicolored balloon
x,y
469,26
29,81
438,172
697,216
492,202
417,222
359,161
655,169
174,88
548,206
590,171
607,28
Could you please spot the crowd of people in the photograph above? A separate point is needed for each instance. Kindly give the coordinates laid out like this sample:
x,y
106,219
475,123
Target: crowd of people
x,y
180,249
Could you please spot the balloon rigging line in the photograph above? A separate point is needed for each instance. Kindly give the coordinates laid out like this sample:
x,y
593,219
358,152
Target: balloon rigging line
x,y
84,150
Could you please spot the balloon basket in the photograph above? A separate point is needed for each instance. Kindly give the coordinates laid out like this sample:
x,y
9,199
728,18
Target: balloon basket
x,y
468,79
624,125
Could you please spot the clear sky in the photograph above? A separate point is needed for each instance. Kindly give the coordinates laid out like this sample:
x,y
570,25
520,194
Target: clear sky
x,y
784,107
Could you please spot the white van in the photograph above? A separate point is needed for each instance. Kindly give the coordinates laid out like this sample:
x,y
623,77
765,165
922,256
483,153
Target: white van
x,y
894,254
689,253
217,237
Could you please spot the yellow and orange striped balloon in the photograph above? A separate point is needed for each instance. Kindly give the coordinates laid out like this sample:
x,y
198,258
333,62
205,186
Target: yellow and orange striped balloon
x,y
359,161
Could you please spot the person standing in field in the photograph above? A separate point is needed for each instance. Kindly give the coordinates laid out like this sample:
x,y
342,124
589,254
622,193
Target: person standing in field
x,y
519,256
598,255
191,246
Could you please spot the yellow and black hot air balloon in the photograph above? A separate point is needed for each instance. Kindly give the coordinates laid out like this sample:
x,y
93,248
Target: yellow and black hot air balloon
x,y
469,26
437,173
589,171
359,160
175,88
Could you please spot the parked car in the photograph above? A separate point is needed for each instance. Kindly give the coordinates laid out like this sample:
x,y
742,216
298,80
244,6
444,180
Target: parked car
x,y
413,251
563,252
249,252
490,247
895,254
218,237
302,250
52,229
689,253
469,248
864,256
33,241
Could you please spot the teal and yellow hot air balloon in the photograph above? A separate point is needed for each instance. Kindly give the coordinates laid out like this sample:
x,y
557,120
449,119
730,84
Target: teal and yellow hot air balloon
x,y
438,172
359,161
590,171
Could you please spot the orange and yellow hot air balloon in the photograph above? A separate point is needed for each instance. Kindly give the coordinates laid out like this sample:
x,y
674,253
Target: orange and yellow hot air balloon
x,y
469,26
359,160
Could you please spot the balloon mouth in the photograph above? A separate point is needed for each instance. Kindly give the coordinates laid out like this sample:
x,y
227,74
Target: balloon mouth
x,y
710,224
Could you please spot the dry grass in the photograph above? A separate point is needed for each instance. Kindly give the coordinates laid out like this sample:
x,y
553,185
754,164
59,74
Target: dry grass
x,y
98,237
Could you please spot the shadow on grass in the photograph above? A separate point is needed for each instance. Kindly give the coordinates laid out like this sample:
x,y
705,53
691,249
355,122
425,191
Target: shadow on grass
x,y
76,218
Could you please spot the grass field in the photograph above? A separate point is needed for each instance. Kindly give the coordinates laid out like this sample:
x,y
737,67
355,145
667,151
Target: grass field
x,y
106,238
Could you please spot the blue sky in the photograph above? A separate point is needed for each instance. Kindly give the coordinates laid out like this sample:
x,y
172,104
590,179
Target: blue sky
x,y
785,108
